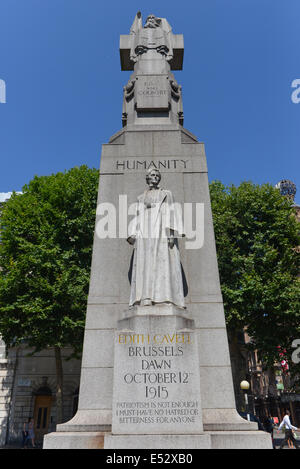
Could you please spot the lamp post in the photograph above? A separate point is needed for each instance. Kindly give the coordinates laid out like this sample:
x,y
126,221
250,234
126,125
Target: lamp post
x,y
245,386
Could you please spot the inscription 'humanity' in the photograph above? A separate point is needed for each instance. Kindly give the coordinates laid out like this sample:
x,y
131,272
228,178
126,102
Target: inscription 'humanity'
x,y
147,164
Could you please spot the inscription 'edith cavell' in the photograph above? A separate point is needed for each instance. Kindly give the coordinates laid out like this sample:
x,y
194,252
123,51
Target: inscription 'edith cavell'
x,y
157,339
147,164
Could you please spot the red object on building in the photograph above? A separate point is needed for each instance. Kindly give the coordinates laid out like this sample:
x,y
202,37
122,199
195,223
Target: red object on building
x,y
283,361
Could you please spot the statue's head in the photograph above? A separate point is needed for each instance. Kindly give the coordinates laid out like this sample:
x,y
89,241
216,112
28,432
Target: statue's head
x,y
153,177
152,22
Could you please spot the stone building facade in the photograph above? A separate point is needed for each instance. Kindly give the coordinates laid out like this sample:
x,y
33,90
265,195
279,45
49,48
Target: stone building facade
x,y
28,388
5,393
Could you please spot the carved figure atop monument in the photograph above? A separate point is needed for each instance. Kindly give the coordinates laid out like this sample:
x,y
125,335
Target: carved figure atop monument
x,y
152,95
154,36
156,272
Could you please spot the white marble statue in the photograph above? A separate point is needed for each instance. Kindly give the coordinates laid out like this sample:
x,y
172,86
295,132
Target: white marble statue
x,y
156,270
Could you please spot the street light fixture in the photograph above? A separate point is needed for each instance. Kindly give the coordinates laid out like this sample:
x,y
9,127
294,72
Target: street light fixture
x,y
245,386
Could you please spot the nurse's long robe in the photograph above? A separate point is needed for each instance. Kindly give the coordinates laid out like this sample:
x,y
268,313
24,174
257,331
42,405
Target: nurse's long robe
x,y
156,268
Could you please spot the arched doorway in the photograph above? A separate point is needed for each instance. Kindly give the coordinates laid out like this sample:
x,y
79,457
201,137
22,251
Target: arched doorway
x,y
42,410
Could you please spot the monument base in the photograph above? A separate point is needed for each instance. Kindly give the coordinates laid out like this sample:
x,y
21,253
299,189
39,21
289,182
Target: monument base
x,y
214,440
74,440
208,440
157,441
241,440
157,354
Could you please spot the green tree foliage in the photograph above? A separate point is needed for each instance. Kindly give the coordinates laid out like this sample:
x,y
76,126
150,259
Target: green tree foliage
x,y
45,256
257,236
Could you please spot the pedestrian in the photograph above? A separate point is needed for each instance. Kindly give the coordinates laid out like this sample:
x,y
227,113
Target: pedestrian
x,y
268,424
290,444
24,434
30,430
289,436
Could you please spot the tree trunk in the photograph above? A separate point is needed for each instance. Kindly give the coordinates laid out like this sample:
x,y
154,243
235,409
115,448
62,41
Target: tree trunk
x,y
12,393
59,385
239,368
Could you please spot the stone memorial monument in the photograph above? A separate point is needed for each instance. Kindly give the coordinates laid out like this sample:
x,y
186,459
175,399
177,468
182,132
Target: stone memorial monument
x,y
156,370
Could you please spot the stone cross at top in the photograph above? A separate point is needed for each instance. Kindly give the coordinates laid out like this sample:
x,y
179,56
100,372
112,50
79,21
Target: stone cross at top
x,y
156,36
152,94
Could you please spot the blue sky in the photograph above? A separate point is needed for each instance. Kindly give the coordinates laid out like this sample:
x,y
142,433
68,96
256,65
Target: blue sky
x,y
60,62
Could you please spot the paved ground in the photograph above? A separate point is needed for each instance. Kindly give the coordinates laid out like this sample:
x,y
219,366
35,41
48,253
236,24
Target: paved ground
x,y
20,447
279,437
277,440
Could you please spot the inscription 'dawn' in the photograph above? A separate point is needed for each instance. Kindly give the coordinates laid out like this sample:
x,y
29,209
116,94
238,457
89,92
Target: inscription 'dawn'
x,y
146,164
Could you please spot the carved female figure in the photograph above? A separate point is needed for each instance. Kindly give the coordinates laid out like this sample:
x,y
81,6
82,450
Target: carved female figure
x,y
156,270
